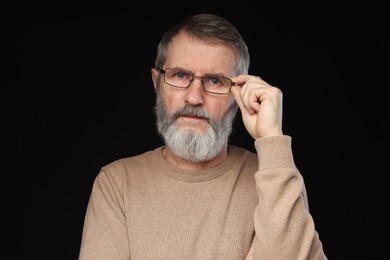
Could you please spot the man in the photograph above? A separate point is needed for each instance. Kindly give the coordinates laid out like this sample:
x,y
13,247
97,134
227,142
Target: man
x,y
198,197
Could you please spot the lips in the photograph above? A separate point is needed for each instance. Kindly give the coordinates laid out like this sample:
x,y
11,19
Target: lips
x,y
191,120
194,116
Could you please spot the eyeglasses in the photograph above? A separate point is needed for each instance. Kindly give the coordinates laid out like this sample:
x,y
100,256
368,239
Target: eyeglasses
x,y
180,78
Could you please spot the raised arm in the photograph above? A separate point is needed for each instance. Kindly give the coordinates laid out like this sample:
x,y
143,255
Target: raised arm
x,y
284,228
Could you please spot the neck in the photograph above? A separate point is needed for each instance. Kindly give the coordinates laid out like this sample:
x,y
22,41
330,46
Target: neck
x,y
183,164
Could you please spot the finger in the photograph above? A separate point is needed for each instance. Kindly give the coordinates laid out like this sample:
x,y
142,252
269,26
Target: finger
x,y
239,96
254,100
241,79
251,93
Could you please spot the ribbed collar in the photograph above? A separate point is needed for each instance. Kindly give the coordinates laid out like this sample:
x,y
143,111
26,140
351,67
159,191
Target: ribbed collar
x,y
195,175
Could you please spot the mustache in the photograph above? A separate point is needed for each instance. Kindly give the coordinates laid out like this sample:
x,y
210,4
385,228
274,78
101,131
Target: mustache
x,y
188,110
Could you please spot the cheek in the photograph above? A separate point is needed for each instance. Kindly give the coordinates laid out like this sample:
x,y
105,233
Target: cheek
x,y
172,101
220,106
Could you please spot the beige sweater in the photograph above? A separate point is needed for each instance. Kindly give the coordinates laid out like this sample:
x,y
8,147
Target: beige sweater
x,y
252,206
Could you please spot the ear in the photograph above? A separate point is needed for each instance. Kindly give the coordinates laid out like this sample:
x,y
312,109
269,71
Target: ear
x,y
154,77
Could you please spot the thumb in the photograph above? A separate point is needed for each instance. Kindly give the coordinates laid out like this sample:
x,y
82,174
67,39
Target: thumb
x,y
237,96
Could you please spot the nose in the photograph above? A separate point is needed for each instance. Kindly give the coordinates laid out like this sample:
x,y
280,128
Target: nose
x,y
195,92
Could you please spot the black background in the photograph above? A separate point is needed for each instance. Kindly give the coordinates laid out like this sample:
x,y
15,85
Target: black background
x,y
79,95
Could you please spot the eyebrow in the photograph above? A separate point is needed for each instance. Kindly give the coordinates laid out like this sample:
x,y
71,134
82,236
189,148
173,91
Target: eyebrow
x,y
206,74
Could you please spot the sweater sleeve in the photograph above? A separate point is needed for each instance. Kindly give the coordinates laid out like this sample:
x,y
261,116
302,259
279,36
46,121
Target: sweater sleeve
x,y
284,228
105,233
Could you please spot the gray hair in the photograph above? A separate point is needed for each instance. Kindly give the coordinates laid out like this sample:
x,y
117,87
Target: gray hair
x,y
209,28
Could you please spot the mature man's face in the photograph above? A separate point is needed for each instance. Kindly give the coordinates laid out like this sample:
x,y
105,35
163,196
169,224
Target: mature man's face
x,y
189,144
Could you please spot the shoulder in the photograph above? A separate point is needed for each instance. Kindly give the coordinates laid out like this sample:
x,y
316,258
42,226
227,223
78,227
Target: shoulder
x,y
125,173
242,153
132,164
244,157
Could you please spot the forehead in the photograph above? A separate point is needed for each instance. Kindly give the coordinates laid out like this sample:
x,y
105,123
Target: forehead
x,y
200,56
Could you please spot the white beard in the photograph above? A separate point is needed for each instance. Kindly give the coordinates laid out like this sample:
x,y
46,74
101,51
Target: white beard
x,y
188,144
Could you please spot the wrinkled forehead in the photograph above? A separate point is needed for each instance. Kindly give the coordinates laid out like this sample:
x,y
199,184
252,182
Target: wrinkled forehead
x,y
198,55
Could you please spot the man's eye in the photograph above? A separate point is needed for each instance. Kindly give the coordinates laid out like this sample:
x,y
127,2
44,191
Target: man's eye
x,y
181,75
213,81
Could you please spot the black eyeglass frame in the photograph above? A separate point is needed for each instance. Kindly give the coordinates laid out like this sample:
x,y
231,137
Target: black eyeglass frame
x,y
162,71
